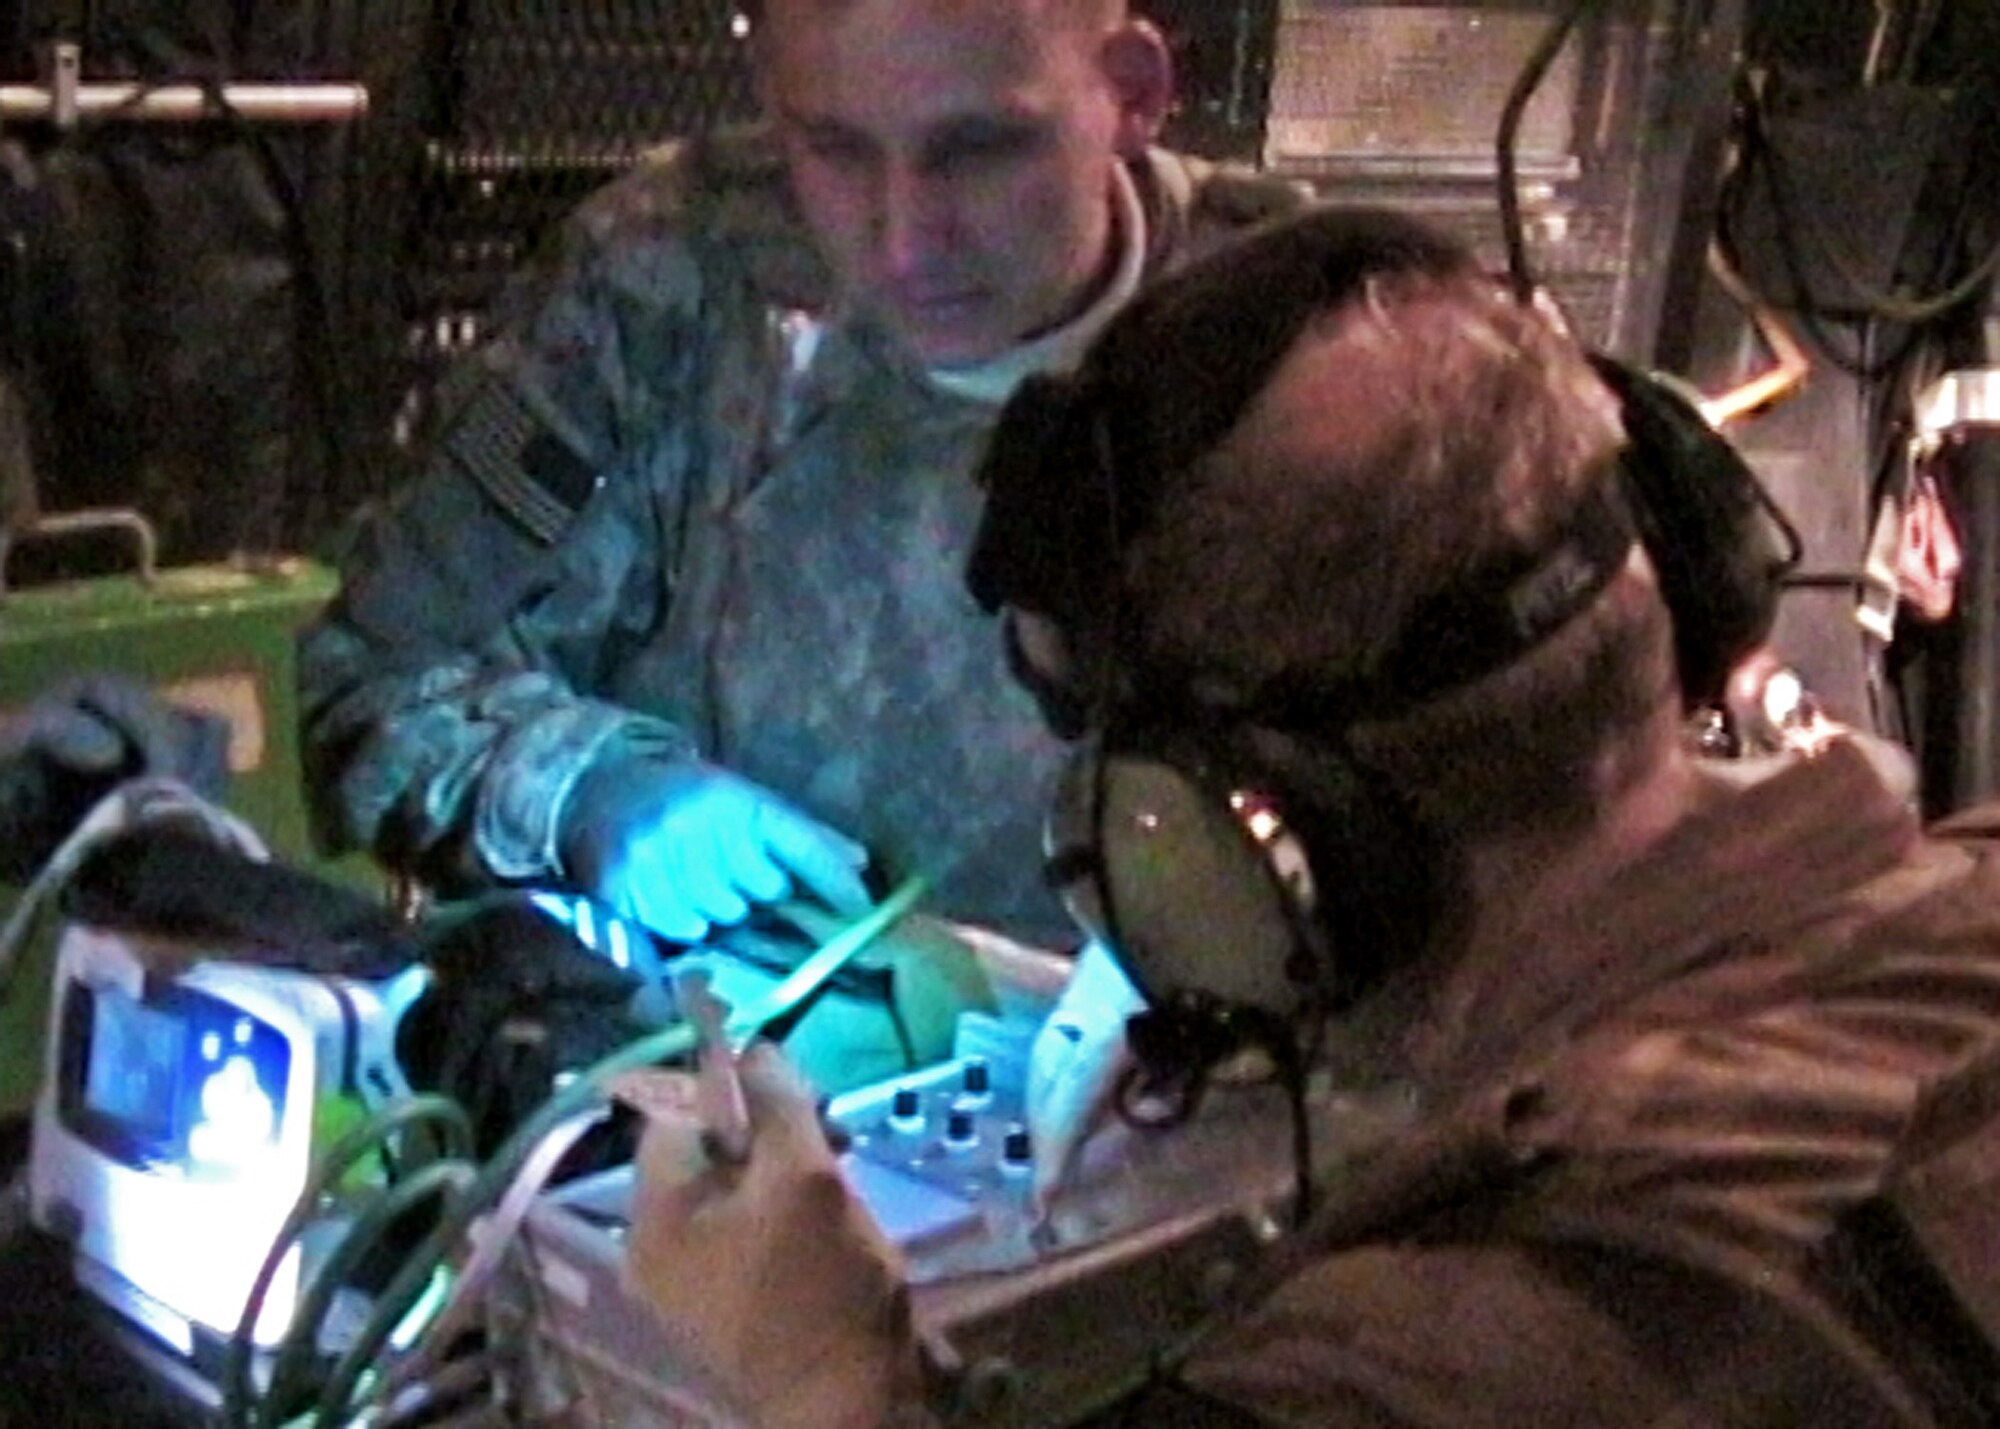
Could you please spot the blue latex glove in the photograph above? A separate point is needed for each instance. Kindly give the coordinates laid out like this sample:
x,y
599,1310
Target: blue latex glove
x,y
681,845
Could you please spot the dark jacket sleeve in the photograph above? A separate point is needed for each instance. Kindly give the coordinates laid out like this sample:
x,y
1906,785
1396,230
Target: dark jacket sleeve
x,y
1460,1337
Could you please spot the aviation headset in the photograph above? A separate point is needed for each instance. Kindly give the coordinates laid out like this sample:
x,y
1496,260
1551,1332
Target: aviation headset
x,y
1249,874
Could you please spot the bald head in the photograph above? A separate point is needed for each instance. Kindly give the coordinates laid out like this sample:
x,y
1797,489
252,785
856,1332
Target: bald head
x,y
1421,429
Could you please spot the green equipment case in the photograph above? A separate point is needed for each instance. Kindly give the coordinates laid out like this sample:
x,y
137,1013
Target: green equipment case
x,y
217,638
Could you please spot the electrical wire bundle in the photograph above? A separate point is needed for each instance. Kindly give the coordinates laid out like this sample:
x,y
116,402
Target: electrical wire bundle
x,y
406,1361
1813,257
1889,317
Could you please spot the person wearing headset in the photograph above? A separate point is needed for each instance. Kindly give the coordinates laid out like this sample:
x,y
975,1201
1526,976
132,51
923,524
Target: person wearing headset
x,y
1375,604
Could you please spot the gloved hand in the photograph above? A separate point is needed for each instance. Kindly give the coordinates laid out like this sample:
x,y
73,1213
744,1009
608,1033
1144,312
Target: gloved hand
x,y
680,844
771,1273
1074,1065
80,740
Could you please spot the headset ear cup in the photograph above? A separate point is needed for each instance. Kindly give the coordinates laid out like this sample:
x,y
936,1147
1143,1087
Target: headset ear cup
x,y
1150,855
1719,543
1274,874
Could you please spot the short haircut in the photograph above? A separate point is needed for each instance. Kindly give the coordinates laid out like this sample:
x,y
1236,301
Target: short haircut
x,y
1456,425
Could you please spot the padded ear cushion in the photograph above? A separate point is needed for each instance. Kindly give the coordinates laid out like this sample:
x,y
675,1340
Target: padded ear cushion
x,y
1268,875
1719,543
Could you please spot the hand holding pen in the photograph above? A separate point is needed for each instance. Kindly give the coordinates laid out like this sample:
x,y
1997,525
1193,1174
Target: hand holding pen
x,y
747,1239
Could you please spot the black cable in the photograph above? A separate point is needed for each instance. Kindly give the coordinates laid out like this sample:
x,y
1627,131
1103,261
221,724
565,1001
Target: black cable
x,y
1525,84
1875,303
1922,28
1812,317
1294,1072
900,1025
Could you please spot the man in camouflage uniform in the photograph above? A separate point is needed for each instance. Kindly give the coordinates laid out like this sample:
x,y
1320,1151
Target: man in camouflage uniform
x,y
1704,1056
676,615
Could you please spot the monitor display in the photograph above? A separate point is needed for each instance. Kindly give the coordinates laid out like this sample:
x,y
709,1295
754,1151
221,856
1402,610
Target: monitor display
x,y
178,1080
137,1057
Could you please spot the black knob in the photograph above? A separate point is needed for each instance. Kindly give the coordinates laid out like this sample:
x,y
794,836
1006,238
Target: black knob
x,y
1015,1148
978,1077
958,1126
905,1104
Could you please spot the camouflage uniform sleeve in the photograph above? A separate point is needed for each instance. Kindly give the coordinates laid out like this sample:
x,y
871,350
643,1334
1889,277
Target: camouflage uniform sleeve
x,y
445,693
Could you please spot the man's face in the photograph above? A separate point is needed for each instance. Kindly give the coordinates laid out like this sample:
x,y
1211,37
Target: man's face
x,y
953,158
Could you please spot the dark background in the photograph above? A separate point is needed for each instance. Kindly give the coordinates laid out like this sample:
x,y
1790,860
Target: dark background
x,y
236,327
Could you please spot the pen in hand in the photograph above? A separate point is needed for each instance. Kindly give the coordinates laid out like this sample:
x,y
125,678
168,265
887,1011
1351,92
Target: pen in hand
x,y
719,1100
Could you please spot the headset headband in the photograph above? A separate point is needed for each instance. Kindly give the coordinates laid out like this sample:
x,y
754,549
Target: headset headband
x,y
1470,629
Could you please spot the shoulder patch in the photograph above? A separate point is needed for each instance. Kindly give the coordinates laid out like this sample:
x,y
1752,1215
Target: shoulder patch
x,y
521,466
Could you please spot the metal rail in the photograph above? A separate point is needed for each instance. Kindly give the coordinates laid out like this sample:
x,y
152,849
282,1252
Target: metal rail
x,y
67,99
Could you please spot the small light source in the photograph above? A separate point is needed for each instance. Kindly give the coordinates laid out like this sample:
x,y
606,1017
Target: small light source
x,y
238,1119
602,933
1258,817
1784,698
